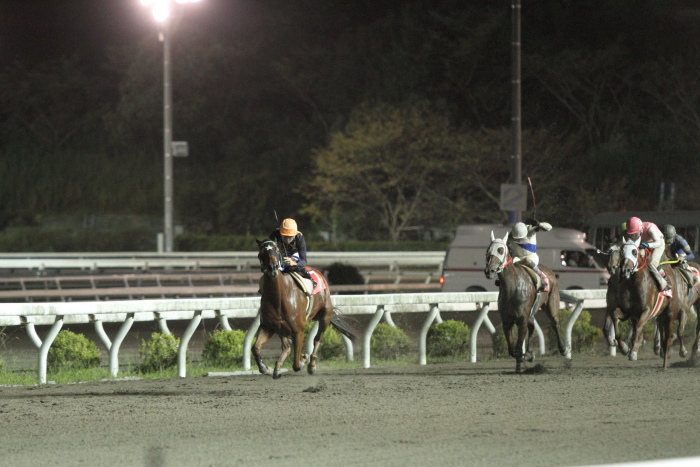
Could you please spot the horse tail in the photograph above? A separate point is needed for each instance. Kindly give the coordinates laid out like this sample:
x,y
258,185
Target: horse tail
x,y
342,327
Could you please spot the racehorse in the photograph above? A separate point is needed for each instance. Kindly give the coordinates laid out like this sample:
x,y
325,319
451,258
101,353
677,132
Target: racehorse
x,y
285,310
640,300
519,299
693,294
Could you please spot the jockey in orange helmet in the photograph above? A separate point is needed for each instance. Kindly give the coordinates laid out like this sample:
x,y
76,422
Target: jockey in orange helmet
x,y
292,245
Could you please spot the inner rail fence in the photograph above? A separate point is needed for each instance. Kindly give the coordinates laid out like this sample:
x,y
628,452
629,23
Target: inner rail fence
x,y
40,263
379,306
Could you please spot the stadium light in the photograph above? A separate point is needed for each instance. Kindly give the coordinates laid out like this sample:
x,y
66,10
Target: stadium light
x,y
161,12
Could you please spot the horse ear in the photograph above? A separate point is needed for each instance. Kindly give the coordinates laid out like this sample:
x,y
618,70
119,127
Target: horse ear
x,y
492,236
505,238
258,242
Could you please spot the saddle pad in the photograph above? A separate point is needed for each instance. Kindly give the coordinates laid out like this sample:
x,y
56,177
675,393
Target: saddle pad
x,y
306,284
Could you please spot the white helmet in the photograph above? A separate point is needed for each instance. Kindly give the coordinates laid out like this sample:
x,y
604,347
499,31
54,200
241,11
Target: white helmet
x,y
519,231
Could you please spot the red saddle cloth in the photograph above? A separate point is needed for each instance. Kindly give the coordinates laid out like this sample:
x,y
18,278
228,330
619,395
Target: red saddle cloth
x,y
320,283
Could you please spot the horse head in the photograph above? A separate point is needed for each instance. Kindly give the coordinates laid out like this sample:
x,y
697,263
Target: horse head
x,y
270,257
614,255
630,258
497,256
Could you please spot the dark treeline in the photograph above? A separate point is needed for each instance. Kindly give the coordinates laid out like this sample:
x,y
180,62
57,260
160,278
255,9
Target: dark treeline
x,y
370,120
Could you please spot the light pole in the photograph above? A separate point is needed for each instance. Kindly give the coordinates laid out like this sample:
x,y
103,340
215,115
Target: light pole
x,y
161,13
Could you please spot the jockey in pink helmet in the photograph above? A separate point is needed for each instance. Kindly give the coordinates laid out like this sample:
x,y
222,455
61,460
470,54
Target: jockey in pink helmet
x,y
648,235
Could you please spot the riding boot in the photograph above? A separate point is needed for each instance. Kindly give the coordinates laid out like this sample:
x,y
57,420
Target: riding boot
x,y
688,273
690,277
545,279
660,280
303,272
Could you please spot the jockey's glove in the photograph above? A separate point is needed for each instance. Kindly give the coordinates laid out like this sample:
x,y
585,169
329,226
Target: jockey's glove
x,y
289,261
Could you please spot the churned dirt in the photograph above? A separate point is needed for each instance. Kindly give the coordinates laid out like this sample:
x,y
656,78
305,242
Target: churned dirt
x,y
592,410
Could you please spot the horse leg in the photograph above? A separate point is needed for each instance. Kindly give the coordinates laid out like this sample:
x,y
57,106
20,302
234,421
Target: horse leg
x,y
638,337
286,348
518,350
553,315
621,344
682,321
529,355
298,342
508,324
696,344
666,323
657,339
261,338
323,324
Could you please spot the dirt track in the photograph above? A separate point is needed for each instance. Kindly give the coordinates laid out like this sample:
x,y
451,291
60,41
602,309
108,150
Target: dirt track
x,y
595,410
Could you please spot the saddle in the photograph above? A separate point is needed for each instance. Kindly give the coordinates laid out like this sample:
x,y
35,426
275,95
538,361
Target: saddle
x,y
306,285
537,279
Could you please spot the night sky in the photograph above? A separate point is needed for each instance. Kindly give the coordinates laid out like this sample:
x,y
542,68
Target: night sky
x,y
37,30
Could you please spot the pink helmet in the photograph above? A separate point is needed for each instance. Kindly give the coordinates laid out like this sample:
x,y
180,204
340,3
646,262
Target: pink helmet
x,y
634,225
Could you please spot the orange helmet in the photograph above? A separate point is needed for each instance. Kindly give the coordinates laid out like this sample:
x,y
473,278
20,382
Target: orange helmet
x,y
288,228
634,225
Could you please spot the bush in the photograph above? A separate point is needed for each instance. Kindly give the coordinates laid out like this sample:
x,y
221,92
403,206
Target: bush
x,y
500,344
224,348
448,339
389,343
332,345
158,353
72,351
339,273
583,335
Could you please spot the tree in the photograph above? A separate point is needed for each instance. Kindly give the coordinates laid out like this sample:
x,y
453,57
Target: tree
x,y
376,177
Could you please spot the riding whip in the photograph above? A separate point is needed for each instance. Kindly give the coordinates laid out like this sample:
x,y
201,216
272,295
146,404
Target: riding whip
x,y
532,193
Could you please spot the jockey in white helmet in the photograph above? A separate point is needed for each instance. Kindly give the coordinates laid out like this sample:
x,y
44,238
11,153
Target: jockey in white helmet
x,y
523,245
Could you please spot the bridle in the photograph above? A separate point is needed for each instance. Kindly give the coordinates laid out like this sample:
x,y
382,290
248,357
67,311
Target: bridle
x,y
631,252
504,257
269,250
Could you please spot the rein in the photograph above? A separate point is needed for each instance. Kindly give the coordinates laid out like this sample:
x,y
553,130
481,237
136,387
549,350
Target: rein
x,y
645,259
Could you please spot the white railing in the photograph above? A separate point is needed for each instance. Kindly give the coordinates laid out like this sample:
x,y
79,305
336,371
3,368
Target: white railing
x,y
381,306
239,260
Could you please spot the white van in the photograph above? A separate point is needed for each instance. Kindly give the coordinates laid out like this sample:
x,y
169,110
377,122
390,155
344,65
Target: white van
x,y
565,251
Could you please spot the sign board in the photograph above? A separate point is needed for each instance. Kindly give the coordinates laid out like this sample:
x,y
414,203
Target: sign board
x,y
513,197
180,149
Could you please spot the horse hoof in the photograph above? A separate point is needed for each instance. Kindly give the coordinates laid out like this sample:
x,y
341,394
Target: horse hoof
x,y
633,356
683,353
624,348
530,357
311,369
263,370
276,375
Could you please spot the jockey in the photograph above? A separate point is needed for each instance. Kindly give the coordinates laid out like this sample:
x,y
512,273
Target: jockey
x,y
523,246
292,245
648,235
679,249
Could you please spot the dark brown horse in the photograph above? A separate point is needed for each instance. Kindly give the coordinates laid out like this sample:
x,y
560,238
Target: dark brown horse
x,y
517,300
692,294
640,301
285,310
